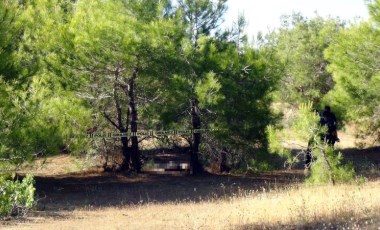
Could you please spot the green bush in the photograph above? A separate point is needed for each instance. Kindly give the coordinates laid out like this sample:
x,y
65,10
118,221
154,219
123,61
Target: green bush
x,y
16,197
327,167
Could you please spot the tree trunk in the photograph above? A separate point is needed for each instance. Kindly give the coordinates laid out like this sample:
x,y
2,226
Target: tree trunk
x,y
196,124
136,164
125,165
223,167
330,169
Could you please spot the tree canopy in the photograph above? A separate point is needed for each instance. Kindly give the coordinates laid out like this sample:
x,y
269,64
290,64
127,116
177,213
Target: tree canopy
x,y
354,65
68,68
299,46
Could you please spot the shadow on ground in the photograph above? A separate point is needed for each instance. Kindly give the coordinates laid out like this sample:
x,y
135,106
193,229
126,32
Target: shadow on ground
x,y
363,160
366,162
101,190
115,190
369,155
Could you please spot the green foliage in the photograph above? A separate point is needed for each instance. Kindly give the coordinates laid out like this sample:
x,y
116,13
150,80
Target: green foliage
x,y
67,66
243,106
275,144
37,115
16,197
15,116
207,90
374,10
326,166
298,46
260,160
107,47
38,121
10,30
201,17
304,128
306,124
354,65
229,79
83,54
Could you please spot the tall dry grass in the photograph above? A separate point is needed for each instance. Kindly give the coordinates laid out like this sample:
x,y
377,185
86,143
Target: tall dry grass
x,y
319,207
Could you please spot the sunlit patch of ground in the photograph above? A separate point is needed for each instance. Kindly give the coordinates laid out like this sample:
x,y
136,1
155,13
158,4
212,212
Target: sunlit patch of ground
x,y
321,207
76,194
62,164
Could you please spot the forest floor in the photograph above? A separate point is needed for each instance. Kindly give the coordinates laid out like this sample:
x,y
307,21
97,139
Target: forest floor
x,y
73,194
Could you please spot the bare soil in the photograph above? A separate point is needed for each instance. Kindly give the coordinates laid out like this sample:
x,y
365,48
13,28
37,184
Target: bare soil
x,y
115,190
69,192
59,193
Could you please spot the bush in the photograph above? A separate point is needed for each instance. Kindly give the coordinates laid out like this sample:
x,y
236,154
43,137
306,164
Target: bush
x,y
327,167
16,197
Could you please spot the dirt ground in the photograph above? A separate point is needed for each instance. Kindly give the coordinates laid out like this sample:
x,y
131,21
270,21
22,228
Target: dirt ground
x,y
69,192
61,190
60,195
115,190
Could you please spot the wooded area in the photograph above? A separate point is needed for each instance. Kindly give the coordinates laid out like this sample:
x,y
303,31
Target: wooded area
x,y
74,67
111,81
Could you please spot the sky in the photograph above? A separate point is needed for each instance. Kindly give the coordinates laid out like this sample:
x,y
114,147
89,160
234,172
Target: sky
x,y
265,14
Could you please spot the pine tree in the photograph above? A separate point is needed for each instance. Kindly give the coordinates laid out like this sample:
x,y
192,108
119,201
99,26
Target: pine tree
x,y
299,46
353,58
326,165
118,47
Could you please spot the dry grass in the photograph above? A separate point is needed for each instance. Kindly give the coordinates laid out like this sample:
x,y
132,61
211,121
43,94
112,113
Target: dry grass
x,y
313,207
298,207
60,165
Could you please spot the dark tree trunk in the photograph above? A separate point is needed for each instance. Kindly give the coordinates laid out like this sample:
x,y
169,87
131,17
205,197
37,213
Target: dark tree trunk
x,y
131,157
119,123
223,167
196,124
136,164
125,165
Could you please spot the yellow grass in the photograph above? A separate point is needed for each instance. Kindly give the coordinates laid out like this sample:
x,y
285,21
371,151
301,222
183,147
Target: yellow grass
x,y
299,207
60,165
342,205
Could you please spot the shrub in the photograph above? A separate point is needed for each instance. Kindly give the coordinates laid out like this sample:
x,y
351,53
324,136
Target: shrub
x,y
326,165
16,197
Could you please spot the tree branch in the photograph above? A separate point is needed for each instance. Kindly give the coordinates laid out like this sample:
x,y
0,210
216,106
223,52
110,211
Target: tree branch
x,y
111,121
